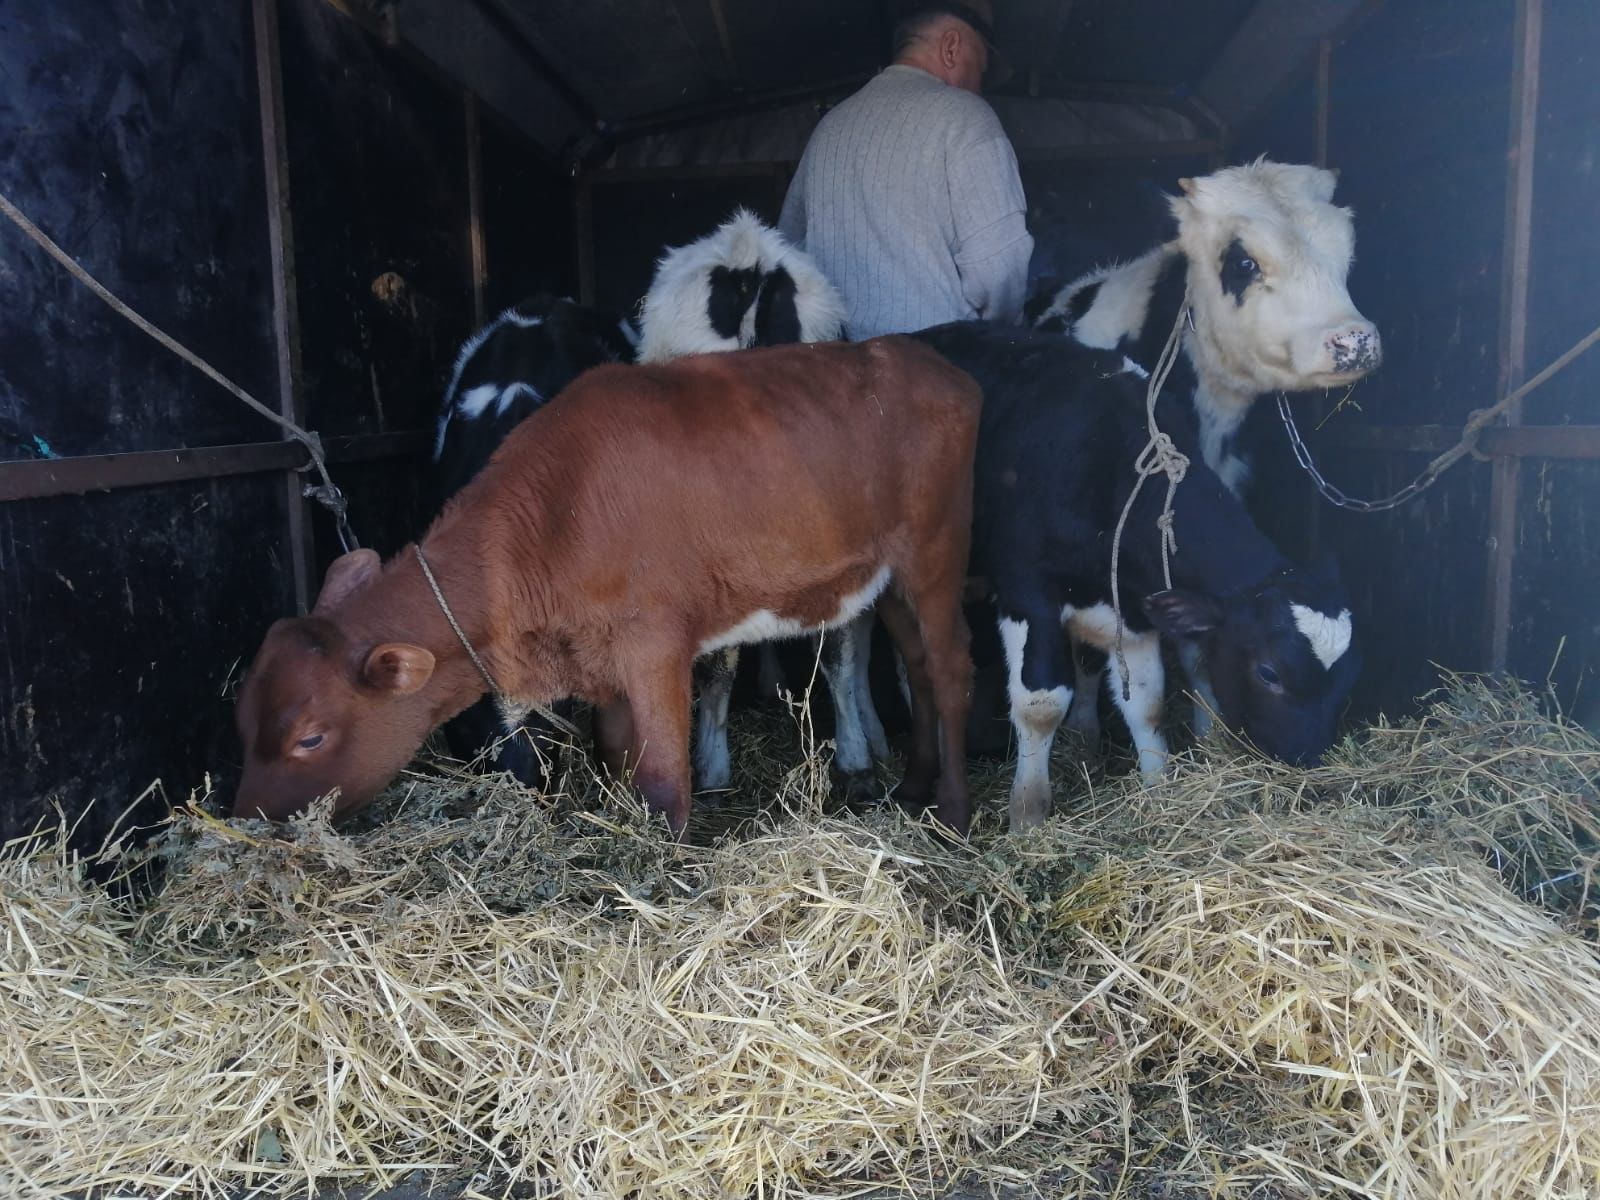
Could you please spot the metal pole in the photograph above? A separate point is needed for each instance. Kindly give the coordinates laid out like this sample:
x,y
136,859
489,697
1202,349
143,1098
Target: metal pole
x,y
480,261
1507,472
300,547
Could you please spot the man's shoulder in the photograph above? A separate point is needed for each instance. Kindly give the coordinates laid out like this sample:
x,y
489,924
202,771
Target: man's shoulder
x,y
898,87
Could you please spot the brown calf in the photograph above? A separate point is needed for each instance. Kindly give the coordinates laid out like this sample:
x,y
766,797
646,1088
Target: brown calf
x,y
650,515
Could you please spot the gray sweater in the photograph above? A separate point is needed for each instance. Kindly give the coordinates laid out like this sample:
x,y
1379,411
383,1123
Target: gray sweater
x,y
908,198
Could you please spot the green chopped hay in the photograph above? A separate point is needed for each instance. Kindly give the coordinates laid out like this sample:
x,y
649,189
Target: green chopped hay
x,y
1377,977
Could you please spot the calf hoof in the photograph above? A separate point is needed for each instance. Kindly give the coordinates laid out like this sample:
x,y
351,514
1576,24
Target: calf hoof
x,y
1030,806
953,819
914,795
859,789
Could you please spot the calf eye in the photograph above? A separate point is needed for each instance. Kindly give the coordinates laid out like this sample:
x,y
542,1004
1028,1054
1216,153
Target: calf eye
x,y
311,742
1268,676
1249,265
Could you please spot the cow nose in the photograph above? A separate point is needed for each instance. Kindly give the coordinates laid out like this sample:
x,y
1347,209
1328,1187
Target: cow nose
x,y
1356,348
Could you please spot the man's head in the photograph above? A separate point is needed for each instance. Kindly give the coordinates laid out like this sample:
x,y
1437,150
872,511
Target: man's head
x,y
952,42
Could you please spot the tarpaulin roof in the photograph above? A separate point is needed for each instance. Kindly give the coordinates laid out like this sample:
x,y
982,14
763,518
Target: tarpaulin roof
x,y
609,71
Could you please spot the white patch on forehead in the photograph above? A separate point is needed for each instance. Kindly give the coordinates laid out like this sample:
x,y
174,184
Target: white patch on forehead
x,y
1329,636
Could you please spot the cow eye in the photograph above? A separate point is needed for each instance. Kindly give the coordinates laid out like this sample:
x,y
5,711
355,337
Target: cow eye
x,y
1268,676
310,742
1249,266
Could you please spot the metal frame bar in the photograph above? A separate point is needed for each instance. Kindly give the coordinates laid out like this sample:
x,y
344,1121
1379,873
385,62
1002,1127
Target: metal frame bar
x,y
1516,264
301,543
1573,443
475,233
40,479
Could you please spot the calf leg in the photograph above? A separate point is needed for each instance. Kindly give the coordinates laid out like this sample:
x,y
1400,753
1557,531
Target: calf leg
x,y
769,680
1035,659
713,766
841,651
613,737
659,696
1088,666
1205,700
932,637
1142,708
871,726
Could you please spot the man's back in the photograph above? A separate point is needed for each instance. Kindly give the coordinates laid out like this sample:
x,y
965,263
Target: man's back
x,y
908,198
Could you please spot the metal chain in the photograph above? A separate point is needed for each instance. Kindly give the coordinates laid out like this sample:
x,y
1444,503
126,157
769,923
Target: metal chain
x,y
1477,422
1160,454
508,711
326,493
1330,492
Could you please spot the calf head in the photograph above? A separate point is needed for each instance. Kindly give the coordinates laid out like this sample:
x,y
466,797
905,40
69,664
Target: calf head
x,y
1269,253
1281,656
742,285
319,710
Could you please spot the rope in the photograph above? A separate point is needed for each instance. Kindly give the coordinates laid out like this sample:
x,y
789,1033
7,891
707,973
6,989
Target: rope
x,y
1159,455
508,711
1477,422
325,493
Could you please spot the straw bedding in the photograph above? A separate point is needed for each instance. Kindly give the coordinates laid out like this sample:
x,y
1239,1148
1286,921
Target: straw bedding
x,y
1375,978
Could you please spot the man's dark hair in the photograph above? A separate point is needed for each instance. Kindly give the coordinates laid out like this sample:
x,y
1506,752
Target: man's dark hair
x,y
918,17
908,29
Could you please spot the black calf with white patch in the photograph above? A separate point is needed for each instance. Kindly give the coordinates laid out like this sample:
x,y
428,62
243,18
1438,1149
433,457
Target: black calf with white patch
x,y
506,371
1061,428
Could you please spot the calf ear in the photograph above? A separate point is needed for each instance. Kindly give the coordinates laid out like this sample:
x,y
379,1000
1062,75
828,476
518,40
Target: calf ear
x,y
1180,613
346,575
398,667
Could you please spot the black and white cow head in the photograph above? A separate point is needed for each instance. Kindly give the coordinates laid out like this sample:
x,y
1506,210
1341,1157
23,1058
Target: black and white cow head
x,y
1268,254
742,285
1281,655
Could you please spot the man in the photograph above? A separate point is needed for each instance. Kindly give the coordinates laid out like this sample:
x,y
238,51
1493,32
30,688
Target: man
x,y
908,195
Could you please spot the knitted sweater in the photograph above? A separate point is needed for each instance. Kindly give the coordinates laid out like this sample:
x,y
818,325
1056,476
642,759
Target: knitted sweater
x,y
908,198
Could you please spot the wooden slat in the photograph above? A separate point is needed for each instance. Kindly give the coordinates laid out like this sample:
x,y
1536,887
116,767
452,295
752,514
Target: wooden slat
x,y
301,542
39,479
1499,441
1507,478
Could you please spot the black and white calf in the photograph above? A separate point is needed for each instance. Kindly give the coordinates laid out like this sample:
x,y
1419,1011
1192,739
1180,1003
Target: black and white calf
x,y
505,371
1061,428
740,286
1263,254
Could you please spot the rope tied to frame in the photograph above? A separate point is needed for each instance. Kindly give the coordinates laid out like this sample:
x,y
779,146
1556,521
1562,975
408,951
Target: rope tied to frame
x,y
1477,422
508,711
1159,456
325,493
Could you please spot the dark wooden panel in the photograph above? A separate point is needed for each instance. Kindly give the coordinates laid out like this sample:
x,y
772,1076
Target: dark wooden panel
x,y
377,187
636,218
1084,214
125,617
129,133
1553,600
1421,96
528,220
1284,131
1563,303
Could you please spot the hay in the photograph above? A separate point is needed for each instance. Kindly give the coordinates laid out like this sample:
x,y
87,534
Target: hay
x,y
1374,978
